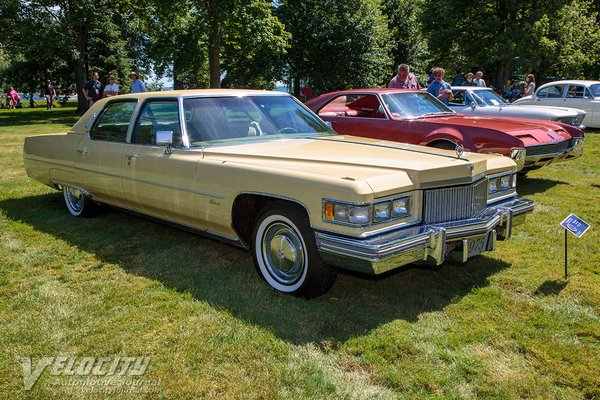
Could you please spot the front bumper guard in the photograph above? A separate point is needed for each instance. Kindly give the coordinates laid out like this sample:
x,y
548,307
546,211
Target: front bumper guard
x,y
429,243
539,160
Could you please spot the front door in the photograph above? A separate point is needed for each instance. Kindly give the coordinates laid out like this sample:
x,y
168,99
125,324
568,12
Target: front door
x,y
157,182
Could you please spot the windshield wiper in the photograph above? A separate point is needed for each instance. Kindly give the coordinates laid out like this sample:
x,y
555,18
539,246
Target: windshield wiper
x,y
433,114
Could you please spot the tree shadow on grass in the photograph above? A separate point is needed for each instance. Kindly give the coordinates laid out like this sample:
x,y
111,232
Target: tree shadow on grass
x,y
527,186
225,277
64,116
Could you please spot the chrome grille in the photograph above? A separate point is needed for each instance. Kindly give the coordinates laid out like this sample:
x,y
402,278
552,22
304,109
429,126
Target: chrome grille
x,y
551,148
454,203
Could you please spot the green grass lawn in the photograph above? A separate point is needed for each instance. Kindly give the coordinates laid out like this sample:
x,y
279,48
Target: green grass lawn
x,y
502,326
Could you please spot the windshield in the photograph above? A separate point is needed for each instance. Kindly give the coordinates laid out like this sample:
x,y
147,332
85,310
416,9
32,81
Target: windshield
x,y
595,90
220,120
414,105
487,98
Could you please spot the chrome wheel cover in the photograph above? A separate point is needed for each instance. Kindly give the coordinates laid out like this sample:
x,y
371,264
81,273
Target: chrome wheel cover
x,y
283,253
74,198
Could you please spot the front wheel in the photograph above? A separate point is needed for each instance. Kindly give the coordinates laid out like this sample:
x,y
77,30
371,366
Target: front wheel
x,y
78,204
286,256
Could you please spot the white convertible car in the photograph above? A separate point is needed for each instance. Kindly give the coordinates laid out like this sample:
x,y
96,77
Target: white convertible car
x,y
480,101
583,95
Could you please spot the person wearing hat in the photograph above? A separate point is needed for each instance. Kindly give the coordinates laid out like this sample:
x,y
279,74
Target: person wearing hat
x,y
137,86
49,94
112,89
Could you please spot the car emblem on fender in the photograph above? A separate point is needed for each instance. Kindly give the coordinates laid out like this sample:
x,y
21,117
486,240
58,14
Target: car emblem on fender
x,y
459,150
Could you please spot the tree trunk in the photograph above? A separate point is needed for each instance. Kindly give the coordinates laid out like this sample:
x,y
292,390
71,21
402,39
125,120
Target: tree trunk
x,y
79,67
296,85
214,45
177,81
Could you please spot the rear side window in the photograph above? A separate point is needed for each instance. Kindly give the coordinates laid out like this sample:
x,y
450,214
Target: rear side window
x,y
113,123
576,92
551,92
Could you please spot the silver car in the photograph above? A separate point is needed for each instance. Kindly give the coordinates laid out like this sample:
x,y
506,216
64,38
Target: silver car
x,y
480,101
583,95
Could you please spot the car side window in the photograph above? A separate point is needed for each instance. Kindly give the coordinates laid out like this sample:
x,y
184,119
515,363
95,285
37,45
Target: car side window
x,y
354,105
114,122
551,92
155,116
575,92
458,98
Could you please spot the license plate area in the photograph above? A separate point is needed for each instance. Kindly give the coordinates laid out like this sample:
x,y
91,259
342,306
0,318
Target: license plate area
x,y
476,246
472,247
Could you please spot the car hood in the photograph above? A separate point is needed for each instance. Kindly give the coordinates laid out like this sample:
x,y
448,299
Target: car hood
x,y
385,166
547,111
531,132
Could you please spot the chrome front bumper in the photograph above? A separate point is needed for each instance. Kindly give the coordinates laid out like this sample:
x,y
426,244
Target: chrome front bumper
x,y
539,160
429,243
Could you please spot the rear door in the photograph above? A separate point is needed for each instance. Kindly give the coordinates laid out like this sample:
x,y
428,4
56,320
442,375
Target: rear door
x,y
99,154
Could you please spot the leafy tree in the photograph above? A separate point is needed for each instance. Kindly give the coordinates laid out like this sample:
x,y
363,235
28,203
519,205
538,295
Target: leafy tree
x,y
504,36
254,47
337,45
67,37
200,42
409,44
574,41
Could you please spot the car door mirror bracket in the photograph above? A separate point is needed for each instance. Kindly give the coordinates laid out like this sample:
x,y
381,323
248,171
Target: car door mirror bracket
x,y
165,138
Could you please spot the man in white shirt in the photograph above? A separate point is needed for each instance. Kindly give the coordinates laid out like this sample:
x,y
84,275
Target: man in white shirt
x,y
112,89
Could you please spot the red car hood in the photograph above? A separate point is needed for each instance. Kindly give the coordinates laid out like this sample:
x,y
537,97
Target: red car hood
x,y
531,132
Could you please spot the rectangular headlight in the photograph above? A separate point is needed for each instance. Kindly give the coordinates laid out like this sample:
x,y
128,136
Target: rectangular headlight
x,y
401,207
367,214
501,185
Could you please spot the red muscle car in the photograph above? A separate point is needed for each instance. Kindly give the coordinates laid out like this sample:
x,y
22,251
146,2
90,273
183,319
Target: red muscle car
x,y
416,117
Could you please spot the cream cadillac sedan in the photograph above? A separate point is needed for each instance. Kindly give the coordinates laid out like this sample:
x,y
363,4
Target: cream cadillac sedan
x,y
260,171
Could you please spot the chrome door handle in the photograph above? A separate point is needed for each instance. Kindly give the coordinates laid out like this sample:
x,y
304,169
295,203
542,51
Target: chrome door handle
x,y
131,156
82,151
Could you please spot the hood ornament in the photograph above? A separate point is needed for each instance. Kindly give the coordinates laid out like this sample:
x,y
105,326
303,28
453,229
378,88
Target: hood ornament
x,y
459,150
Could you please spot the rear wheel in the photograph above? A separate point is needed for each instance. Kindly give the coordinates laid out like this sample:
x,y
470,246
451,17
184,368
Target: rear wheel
x,y
78,204
285,253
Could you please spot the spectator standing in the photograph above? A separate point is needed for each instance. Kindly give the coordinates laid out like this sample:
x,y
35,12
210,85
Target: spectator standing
x,y
404,79
440,88
49,94
137,86
112,89
529,85
479,79
31,100
469,81
93,89
458,80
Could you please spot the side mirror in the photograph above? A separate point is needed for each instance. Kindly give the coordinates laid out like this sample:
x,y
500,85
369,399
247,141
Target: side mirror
x,y
329,124
473,106
165,138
